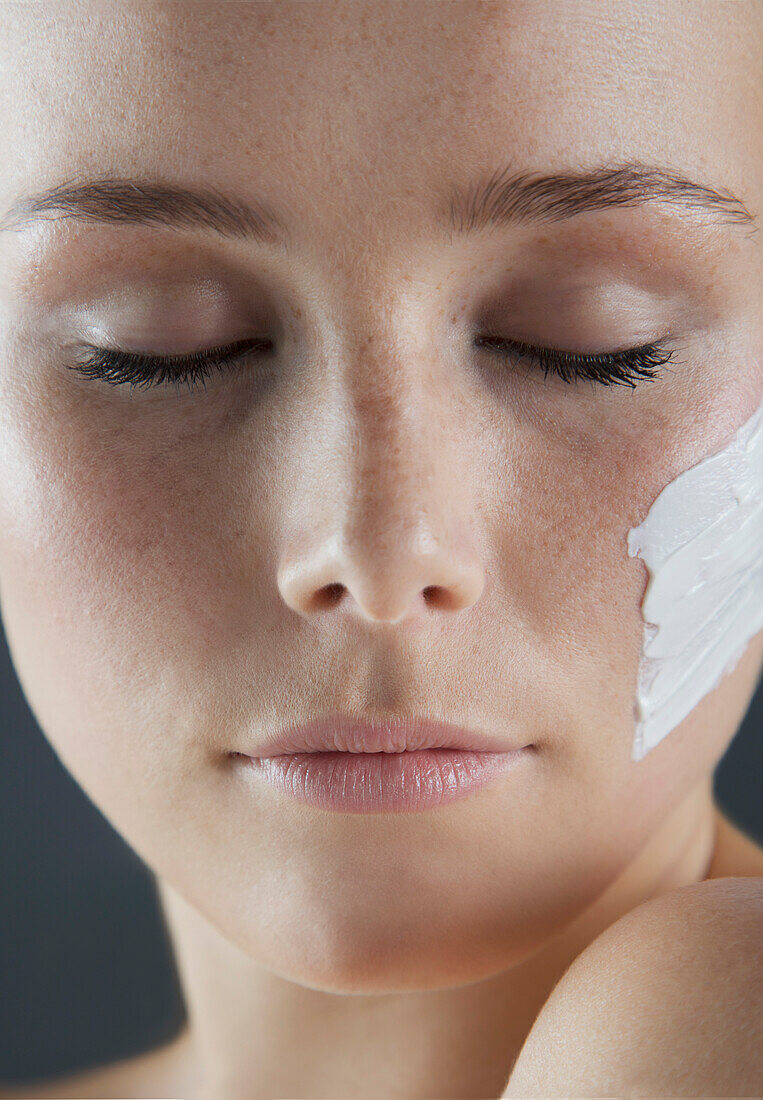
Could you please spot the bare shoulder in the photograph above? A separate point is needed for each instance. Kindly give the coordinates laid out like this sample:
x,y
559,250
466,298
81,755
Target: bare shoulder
x,y
667,1001
142,1077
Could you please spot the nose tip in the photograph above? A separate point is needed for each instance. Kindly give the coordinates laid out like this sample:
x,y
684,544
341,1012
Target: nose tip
x,y
450,587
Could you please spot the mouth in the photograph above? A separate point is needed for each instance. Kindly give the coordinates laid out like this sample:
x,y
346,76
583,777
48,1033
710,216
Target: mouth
x,y
401,764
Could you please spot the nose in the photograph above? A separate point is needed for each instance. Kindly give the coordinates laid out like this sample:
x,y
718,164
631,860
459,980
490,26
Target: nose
x,y
386,520
403,578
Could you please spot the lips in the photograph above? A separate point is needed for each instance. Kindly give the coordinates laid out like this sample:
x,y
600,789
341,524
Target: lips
x,y
345,733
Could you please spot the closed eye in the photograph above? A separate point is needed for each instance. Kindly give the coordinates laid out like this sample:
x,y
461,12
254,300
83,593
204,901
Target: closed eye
x,y
618,368
118,367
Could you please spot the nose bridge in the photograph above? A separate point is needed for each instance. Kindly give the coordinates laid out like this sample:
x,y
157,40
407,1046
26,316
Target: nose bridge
x,y
393,534
399,459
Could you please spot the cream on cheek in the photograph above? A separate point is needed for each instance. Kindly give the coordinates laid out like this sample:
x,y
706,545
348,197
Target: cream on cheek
x,y
702,542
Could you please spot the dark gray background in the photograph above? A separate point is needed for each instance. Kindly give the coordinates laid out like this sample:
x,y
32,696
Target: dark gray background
x,y
86,972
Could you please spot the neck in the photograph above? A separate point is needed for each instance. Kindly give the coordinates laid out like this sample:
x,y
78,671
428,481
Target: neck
x,y
251,1033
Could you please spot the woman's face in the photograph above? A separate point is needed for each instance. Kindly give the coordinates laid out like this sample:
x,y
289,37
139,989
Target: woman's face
x,y
164,553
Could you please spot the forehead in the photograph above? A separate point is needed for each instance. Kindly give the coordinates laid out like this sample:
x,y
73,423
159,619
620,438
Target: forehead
x,y
376,97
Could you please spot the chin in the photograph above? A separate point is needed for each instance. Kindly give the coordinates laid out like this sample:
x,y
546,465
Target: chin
x,y
391,959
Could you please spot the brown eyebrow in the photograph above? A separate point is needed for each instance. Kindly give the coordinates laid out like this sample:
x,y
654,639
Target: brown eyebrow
x,y
502,199
514,198
146,202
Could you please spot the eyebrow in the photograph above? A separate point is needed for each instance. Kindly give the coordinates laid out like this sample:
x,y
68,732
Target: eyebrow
x,y
514,198
503,199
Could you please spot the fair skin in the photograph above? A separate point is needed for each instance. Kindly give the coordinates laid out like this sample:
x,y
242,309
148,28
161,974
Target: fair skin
x,y
164,558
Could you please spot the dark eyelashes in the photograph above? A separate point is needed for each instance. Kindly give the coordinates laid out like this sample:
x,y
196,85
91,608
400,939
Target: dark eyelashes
x,y
617,368
117,367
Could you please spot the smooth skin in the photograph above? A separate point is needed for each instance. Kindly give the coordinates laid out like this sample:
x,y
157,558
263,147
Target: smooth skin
x,y
383,518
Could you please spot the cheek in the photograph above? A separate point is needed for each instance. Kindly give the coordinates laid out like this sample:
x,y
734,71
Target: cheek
x,y
572,591
568,570
121,592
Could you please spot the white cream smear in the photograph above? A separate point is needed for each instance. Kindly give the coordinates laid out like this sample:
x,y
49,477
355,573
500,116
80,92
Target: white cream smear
x,y
702,542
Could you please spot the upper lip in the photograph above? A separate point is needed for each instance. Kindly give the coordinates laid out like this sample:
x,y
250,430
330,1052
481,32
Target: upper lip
x,y
346,733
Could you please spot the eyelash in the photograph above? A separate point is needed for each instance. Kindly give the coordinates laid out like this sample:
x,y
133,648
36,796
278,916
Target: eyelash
x,y
615,368
624,368
117,367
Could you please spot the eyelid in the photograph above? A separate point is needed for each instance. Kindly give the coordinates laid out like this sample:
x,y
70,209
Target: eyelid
x,y
218,351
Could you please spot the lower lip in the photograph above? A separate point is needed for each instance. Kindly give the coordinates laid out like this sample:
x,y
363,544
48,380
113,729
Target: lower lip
x,y
379,782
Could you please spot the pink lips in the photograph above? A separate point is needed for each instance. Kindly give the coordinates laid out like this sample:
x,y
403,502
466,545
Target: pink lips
x,y
398,764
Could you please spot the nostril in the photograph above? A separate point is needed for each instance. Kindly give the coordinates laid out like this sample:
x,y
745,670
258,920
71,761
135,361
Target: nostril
x,y
440,597
332,593
326,598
